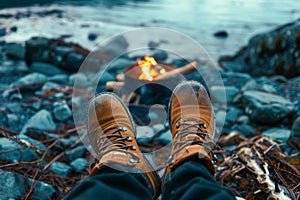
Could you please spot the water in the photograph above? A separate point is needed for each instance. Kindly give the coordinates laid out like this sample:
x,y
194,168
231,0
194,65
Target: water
x,y
198,19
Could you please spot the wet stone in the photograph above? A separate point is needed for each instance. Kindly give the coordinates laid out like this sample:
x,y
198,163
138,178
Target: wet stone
x,y
61,169
79,164
145,134
280,134
61,111
50,85
12,120
75,153
59,78
31,78
41,120
266,108
45,68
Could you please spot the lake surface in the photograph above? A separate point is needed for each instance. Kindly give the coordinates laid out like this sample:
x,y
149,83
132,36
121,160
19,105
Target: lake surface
x,y
198,19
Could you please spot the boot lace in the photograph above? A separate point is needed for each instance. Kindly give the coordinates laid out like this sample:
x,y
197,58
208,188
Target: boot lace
x,y
116,141
189,127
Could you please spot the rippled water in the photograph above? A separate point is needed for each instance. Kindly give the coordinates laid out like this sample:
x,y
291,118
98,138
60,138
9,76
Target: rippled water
x,y
198,19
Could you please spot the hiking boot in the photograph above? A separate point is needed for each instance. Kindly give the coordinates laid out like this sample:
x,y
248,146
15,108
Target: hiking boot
x,y
111,131
191,119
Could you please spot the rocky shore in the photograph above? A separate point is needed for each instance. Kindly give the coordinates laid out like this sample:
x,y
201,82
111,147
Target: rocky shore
x,y
42,157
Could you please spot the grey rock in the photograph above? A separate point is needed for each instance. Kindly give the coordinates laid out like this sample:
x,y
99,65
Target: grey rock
x,y
75,153
61,169
165,138
59,95
280,134
217,93
243,119
246,130
17,155
15,50
296,128
2,31
31,78
74,61
80,79
233,114
79,164
220,117
107,77
41,120
144,134
61,111
13,107
45,68
59,78
160,55
50,85
42,191
11,185
119,65
266,108
12,120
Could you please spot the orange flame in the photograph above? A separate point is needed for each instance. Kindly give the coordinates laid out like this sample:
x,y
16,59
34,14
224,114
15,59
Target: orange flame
x,y
148,72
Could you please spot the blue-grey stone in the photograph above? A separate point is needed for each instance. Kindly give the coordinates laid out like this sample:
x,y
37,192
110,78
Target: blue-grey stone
x,y
79,78
61,111
50,85
13,107
266,108
280,134
45,68
59,95
220,118
79,164
75,153
11,185
119,65
217,93
160,55
107,77
14,152
165,138
246,130
36,105
74,61
59,78
15,50
61,169
296,128
41,120
243,119
31,78
67,142
233,114
12,120
144,134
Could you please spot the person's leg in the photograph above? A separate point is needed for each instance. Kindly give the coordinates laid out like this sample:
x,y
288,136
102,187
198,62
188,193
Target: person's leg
x,y
192,180
113,184
189,174
120,170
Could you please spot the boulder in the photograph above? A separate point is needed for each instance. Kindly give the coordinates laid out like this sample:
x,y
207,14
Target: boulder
x,y
41,120
271,53
266,108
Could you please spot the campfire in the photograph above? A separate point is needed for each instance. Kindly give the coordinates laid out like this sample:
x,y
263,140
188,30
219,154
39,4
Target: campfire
x,y
148,83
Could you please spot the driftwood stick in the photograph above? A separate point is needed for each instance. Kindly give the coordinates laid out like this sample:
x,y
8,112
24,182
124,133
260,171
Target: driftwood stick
x,y
182,70
120,77
113,85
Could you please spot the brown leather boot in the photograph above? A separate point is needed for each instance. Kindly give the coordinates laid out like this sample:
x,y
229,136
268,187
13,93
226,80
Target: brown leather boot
x,y
191,119
111,132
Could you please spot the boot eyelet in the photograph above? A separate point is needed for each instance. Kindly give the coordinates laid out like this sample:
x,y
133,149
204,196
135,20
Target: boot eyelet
x,y
132,148
131,160
177,125
129,139
124,128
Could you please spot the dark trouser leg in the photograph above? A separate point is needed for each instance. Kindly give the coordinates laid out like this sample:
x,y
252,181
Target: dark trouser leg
x,y
192,180
112,184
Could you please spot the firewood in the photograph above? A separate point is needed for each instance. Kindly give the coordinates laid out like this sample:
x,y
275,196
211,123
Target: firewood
x,y
182,70
114,86
120,77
